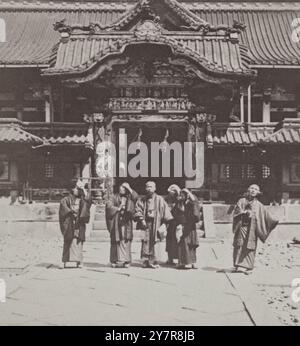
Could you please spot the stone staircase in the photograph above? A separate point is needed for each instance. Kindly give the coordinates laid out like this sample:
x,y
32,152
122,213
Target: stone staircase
x,y
98,230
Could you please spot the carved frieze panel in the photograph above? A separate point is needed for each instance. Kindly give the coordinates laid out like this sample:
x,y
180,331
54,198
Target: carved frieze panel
x,y
150,104
144,72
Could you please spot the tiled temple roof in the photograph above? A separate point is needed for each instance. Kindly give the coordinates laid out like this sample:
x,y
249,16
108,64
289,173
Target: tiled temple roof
x,y
61,133
31,38
12,133
214,54
44,134
288,134
222,134
237,134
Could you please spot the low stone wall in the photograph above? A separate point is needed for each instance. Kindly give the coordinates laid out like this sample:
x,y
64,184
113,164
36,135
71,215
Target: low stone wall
x,y
28,212
287,214
32,229
39,219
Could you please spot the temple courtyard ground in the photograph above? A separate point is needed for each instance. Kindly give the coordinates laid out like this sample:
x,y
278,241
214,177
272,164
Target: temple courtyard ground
x,y
39,292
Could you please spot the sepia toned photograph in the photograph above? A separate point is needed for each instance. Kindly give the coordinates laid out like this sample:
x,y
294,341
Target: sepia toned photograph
x,y
149,165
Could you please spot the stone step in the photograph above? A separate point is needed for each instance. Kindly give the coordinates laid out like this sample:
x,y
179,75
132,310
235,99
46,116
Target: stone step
x,y
99,216
99,225
100,209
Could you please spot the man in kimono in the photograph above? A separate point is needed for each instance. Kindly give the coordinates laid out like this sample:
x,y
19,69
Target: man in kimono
x,y
251,221
152,214
119,216
172,200
187,215
74,214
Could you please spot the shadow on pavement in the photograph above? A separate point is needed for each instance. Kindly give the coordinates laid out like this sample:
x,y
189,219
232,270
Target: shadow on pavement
x,y
218,270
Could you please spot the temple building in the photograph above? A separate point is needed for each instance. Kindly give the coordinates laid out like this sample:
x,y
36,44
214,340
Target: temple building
x,y
74,75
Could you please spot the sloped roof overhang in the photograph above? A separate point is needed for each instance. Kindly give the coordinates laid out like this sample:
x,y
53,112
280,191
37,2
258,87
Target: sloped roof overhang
x,y
214,55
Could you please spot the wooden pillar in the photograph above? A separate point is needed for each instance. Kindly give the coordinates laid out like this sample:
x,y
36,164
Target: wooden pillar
x,y
192,133
267,106
62,103
266,112
242,109
47,111
48,105
19,101
249,104
86,171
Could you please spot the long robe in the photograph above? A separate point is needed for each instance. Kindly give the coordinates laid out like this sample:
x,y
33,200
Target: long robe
x,y
247,230
120,226
171,241
188,215
160,214
72,219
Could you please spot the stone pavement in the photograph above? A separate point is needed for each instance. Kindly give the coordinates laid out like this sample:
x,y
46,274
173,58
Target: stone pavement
x,y
99,295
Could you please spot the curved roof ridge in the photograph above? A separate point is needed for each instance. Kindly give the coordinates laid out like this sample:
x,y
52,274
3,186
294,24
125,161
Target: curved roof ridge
x,y
238,6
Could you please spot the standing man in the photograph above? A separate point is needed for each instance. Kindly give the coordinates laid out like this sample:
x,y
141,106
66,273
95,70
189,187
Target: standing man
x,y
152,213
74,214
171,242
119,216
251,220
188,214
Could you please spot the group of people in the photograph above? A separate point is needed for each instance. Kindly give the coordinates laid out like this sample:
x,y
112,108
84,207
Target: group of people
x,y
172,219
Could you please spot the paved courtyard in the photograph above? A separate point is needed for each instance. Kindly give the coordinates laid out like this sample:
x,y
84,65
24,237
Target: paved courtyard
x,y
39,292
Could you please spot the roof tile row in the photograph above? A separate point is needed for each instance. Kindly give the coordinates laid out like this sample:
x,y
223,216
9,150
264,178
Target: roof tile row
x,y
31,38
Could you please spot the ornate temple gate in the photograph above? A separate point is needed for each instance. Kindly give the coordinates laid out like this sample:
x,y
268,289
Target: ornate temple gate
x,y
113,141
155,69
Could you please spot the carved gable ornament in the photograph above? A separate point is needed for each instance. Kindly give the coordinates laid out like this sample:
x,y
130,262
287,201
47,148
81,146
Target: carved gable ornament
x,y
148,29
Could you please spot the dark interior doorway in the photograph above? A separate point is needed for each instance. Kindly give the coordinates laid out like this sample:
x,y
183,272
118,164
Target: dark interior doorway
x,y
148,133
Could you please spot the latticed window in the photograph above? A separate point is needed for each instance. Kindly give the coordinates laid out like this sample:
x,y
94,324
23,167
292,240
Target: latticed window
x,y
49,170
266,171
248,172
243,172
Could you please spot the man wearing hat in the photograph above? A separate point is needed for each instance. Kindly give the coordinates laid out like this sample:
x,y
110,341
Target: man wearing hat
x,y
119,214
251,221
152,214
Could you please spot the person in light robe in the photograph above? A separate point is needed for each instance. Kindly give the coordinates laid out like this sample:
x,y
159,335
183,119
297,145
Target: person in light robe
x,y
188,214
251,221
74,214
152,214
119,219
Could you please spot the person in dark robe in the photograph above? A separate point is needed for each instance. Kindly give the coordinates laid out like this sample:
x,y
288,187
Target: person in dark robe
x,y
251,221
172,200
119,213
74,214
187,215
152,214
